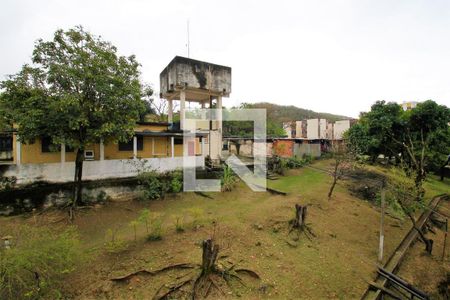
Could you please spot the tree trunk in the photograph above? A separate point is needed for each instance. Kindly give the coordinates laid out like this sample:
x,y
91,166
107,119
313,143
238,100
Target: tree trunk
x,y
332,187
300,216
335,178
209,256
77,186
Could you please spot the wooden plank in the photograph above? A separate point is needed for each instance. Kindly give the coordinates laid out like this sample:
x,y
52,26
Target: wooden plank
x,y
396,258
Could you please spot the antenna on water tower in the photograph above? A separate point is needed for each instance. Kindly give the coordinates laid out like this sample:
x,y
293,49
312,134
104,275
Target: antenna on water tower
x,y
188,38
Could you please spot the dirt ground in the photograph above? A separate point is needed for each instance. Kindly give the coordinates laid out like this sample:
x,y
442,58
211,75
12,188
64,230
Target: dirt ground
x,y
252,230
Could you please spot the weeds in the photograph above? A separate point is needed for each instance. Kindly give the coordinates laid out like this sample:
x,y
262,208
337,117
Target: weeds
x,y
155,227
144,215
197,214
228,180
179,227
35,264
113,244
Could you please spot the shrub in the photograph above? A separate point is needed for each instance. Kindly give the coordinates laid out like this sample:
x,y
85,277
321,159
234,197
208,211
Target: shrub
x,y
196,215
179,227
176,182
155,227
276,165
153,186
144,215
228,179
113,244
102,197
7,183
36,263
294,162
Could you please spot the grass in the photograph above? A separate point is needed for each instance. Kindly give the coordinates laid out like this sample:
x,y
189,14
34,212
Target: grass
x,y
336,264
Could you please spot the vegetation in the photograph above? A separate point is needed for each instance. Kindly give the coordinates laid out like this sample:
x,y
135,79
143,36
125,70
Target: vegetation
x,y
37,261
77,91
419,138
228,179
156,231
157,185
279,165
113,243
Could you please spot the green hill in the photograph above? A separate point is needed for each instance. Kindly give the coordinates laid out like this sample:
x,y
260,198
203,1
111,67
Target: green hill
x,y
283,113
276,115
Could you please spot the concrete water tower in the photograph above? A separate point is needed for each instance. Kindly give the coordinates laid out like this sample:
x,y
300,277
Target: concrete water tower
x,y
186,79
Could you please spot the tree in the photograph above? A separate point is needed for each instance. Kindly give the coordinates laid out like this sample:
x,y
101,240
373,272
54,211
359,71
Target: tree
x,y
402,191
419,138
342,159
77,91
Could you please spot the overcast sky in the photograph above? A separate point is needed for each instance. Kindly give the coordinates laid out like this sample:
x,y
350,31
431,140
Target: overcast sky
x,y
328,56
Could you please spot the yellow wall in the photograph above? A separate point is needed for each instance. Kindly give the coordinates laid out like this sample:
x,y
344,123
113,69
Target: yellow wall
x,y
152,147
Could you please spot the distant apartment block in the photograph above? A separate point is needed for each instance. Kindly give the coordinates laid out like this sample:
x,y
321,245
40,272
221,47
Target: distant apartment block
x,y
316,129
408,105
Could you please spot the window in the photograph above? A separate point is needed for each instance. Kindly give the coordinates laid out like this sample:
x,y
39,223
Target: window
x,y
178,141
5,144
46,144
129,145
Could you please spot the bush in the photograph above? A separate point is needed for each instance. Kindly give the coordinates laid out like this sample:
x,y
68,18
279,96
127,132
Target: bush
x,y
155,227
7,183
276,165
113,244
36,264
153,186
179,227
197,214
294,162
176,181
228,179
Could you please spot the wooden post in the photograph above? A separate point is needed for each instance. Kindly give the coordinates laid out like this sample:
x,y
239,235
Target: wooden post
x,y
381,245
445,239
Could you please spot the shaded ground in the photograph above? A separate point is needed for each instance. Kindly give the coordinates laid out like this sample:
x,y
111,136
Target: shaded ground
x,y
252,229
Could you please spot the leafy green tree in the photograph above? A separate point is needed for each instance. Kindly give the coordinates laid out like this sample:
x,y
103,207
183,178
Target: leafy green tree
x,y
77,91
418,139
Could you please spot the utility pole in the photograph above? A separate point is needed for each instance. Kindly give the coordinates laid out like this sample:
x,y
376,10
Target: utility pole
x,y
381,246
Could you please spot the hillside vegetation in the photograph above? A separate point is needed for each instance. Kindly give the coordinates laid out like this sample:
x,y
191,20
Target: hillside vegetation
x,y
284,113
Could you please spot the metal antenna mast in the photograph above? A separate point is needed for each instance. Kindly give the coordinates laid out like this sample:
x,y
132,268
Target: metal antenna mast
x,y
188,42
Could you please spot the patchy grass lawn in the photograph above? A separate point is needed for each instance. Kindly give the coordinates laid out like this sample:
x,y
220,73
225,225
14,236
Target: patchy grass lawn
x,y
252,229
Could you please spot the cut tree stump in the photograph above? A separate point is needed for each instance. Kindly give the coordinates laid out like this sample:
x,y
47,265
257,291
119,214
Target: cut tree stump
x,y
299,221
209,256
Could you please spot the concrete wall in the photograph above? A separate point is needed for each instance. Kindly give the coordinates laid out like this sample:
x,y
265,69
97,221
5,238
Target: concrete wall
x,y
93,170
307,149
312,129
186,72
287,127
340,127
322,128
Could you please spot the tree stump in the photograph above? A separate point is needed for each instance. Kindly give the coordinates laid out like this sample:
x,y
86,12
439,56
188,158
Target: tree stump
x,y
209,256
429,245
300,217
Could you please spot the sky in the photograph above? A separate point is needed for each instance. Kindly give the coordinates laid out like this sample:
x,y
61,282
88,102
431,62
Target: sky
x,y
328,56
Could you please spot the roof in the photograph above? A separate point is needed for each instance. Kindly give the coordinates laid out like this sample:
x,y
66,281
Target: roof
x,y
153,123
168,133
